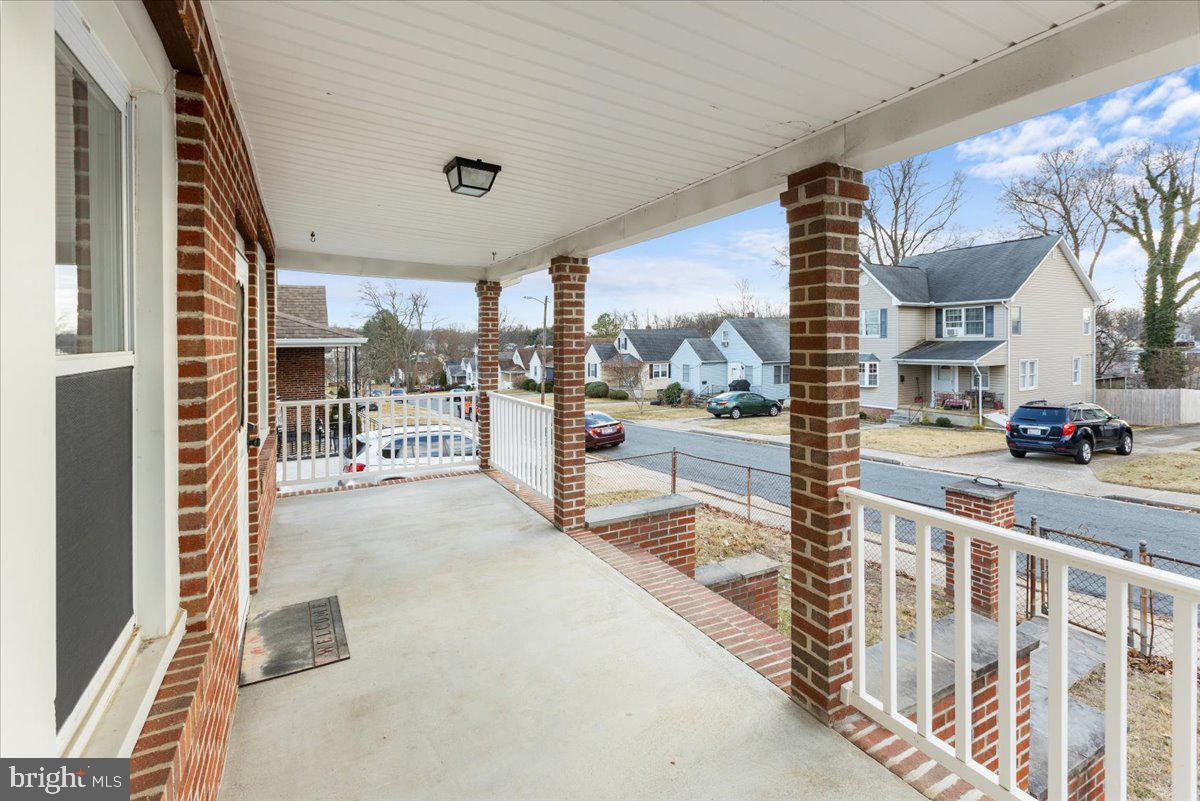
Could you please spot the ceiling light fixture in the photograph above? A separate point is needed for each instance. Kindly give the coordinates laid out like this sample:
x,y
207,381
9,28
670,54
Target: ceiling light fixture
x,y
470,176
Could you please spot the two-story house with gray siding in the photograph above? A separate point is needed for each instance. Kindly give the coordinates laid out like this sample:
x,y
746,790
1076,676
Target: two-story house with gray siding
x,y
977,331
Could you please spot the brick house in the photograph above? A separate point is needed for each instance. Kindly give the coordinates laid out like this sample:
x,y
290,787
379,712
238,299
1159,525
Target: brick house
x,y
311,352
162,160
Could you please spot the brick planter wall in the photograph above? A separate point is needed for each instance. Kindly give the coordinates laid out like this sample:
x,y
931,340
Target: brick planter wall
x,y
663,526
751,582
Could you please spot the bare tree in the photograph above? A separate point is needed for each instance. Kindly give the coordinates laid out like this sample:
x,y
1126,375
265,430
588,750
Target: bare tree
x,y
1159,210
1117,330
626,373
405,320
1068,194
905,215
749,304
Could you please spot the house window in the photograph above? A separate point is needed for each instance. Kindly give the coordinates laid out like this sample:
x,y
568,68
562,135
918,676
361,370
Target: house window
x,y
1015,326
1077,370
687,373
868,374
593,370
1028,374
659,370
91,297
725,338
981,379
1087,321
869,323
623,344
783,374
963,321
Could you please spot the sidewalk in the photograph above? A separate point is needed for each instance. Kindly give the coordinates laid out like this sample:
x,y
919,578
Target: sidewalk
x,y
1040,471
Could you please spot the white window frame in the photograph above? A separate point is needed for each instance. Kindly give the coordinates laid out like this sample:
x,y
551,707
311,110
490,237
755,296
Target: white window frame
x,y
981,379
870,324
959,330
1028,378
1076,370
686,370
593,370
724,337
868,374
1087,320
660,370
783,374
1016,322
75,34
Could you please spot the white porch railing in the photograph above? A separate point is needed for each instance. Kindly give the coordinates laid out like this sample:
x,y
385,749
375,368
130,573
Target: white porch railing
x,y
335,440
523,441
1119,576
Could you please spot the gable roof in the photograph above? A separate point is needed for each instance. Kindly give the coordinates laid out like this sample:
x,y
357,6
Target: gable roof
x,y
766,336
525,354
292,331
980,272
658,344
705,349
604,350
951,350
304,302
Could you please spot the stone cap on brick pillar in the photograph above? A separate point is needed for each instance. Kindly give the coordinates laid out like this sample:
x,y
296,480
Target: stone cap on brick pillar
x,y
977,488
643,507
748,566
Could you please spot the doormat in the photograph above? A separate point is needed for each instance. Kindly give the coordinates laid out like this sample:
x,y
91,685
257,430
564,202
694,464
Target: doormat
x,y
298,637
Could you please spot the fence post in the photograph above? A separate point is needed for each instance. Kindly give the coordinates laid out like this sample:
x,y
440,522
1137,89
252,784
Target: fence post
x,y
1043,576
1130,632
674,468
1145,618
748,520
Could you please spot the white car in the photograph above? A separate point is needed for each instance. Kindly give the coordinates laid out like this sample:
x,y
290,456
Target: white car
x,y
409,446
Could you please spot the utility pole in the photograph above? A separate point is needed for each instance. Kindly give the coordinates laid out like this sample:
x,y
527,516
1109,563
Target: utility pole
x,y
545,301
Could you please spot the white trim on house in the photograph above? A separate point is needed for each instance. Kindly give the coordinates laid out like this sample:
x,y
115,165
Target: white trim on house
x,y
1022,386
332,342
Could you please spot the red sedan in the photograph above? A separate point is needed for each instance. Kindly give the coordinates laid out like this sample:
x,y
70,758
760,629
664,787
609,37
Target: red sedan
x,y
599,430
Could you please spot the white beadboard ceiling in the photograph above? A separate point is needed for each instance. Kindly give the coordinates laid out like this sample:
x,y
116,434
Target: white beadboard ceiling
x,y
593,109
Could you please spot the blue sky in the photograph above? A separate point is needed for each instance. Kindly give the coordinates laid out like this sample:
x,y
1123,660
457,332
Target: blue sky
x,y
693,269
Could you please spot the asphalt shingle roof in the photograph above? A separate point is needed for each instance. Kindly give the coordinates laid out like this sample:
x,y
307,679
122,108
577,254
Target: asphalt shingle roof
x,y
605,350
658,344
705,349
288,326
982,272
950,350
766,336
867,357
305,302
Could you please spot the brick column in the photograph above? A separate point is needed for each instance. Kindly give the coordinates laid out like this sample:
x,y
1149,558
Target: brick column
x,y
823,204
989,505
487,365
568,274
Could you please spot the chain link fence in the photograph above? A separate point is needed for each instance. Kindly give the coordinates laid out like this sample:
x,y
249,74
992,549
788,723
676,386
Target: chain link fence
x,y
763,497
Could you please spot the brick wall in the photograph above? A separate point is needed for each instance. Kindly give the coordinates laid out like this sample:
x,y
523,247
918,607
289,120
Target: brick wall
x,y
671,536
181,751
568,274
300,373
823,205
758,595
987,505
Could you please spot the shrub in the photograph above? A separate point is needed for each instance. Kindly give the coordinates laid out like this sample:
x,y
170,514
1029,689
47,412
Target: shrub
x,y
672,393
549,386
687,398
530,385
595,389
977,426
618,394
943,422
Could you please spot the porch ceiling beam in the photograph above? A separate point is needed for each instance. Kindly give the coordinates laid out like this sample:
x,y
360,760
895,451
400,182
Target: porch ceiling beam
x,y
1112,48
289,259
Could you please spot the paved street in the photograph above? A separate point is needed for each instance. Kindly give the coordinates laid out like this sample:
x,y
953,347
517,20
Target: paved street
x,y
1166,531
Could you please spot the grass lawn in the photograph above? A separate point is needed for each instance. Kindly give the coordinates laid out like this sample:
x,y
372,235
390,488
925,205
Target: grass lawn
x,y
932,441
628,410
1149,728
1179,471
751,425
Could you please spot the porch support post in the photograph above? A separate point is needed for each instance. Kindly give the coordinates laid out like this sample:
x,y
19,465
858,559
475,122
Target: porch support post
x,y
823,204
487,366
568,274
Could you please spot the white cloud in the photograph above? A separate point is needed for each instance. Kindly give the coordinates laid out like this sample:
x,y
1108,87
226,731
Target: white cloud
x,y
1011,167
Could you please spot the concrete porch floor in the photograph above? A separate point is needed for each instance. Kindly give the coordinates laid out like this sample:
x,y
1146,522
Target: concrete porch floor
x,y
494,657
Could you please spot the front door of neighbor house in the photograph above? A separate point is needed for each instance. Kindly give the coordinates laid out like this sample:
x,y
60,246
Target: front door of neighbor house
x,y
737,371
945,379
243,455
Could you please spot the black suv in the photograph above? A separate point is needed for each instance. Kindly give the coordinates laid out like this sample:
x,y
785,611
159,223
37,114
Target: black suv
x,y
1073,429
